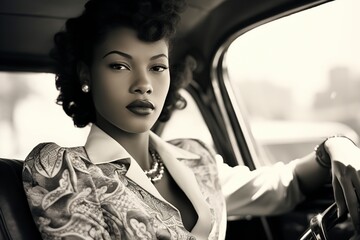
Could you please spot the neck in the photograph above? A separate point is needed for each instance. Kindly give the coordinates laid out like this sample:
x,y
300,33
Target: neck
x,y
136,144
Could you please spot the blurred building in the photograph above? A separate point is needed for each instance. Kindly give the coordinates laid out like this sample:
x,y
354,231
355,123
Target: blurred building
x,y
340,101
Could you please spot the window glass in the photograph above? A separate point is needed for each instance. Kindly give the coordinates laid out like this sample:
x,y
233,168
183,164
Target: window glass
x,y
29,115
187,123
299,78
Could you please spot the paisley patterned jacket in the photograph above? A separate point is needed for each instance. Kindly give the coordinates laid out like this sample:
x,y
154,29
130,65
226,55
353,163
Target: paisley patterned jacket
x,y
100,192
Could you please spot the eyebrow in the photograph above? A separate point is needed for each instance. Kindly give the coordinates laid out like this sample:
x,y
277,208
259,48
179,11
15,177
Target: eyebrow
x,y
130,57
119,53
158,56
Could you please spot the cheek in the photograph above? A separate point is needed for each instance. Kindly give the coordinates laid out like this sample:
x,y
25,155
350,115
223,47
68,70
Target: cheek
x,y
111,100
107,92
111,107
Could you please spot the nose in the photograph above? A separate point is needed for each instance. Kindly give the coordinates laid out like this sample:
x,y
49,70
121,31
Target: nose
x,y
142,85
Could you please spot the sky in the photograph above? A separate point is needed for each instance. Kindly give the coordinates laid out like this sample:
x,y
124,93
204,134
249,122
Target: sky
x,y
299,49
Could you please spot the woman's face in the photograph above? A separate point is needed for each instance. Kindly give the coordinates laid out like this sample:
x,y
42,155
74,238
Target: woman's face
x,y
129,80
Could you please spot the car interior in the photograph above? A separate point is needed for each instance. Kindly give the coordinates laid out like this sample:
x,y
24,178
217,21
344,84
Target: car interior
x,y
206,33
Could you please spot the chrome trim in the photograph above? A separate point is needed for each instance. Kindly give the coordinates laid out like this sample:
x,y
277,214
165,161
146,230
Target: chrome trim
x,y
220,102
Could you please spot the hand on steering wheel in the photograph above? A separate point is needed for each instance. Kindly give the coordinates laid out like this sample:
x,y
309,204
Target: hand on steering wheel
x,y
345,171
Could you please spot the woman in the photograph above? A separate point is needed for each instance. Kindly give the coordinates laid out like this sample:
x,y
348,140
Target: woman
x,y
126,182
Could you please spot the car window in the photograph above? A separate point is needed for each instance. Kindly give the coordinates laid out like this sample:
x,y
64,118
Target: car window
x,y
29,115
187,123
298,78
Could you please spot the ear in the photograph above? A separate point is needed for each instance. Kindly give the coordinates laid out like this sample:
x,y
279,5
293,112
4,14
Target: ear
x,y
83,72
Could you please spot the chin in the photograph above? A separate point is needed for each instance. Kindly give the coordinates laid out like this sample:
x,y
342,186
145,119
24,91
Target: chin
x,y
135,125
139,128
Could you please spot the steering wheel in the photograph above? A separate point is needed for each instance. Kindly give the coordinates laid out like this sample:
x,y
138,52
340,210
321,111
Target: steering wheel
x,y
321,223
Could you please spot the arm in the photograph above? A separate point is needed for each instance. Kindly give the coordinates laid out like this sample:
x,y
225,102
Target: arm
x,y
265,191
310,174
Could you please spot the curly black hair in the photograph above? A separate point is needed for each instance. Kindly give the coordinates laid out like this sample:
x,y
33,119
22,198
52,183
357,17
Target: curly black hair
x,y
151,19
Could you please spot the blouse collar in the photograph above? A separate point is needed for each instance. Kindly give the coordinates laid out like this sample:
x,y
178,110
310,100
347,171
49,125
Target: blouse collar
x,y
102,148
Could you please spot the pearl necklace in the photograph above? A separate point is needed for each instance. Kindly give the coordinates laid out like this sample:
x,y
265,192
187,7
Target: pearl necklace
x,y
156,172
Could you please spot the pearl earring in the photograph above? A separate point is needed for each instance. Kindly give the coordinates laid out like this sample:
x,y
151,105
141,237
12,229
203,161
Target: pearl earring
x,y
85,88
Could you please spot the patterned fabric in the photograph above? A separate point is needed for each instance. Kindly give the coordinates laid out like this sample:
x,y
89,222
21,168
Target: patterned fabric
x,y
206,173
69,196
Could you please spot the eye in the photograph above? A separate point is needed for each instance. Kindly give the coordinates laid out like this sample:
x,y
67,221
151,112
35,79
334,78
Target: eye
x,y
118,66
158,68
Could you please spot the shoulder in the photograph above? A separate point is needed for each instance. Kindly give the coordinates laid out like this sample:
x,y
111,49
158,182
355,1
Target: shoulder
x,y
205,167
191,144
47,148
186,142
194,146
47,158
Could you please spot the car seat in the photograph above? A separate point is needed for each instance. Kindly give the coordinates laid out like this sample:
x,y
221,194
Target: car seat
x,y
16,222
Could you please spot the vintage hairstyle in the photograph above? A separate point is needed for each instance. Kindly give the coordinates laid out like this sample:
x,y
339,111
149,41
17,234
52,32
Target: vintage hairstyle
x,y
151,19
